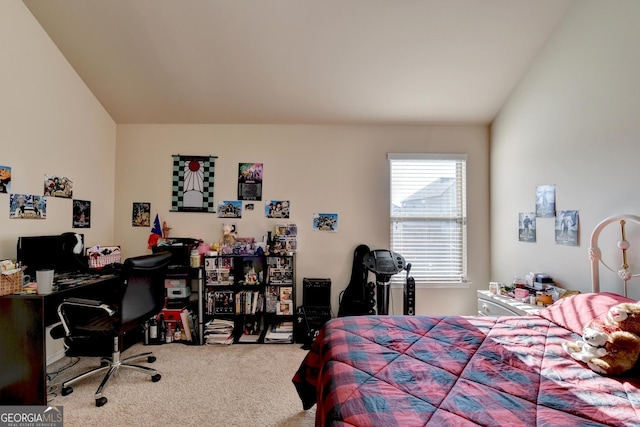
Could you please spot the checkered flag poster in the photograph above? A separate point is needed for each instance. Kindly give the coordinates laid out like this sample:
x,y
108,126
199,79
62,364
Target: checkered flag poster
x,y
192,185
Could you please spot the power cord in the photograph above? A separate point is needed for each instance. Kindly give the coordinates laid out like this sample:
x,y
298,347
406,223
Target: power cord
x,y
52,388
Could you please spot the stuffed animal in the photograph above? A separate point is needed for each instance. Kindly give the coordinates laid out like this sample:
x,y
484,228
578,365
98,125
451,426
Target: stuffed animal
x,y
623,351
622,315
623,346
592,345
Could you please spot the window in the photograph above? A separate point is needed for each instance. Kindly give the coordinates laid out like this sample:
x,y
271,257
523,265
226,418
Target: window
x,y
429,216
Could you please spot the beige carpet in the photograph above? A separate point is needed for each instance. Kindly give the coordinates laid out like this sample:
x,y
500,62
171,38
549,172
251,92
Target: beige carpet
x,y
237,385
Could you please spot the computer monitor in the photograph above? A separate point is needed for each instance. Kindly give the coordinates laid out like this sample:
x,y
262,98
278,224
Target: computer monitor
x,y
55,252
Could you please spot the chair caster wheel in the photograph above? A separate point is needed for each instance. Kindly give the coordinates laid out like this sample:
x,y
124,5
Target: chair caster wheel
x,y
101,401
155,378
104,363
67,390
151,359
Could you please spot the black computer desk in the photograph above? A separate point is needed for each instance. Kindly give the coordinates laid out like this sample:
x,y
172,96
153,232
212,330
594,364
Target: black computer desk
x,y
23,323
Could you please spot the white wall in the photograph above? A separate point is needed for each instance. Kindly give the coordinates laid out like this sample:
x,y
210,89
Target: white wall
x,y
50,123
573,121
335,169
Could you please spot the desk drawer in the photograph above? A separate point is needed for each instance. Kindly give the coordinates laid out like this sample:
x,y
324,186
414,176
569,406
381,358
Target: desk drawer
x,y
490,308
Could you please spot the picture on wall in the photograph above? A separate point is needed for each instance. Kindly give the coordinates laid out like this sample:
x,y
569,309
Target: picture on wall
x,y
277,209
567,228
325,222
81,214
141,214
546,201
192,185
250,181
527,227
27,206
230,209
58,186
5,179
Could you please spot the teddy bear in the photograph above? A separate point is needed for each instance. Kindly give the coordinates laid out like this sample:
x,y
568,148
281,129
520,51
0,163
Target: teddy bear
x,y
623,351
622,346
592,345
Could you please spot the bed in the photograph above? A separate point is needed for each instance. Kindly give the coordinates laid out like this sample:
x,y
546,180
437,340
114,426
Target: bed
x,y
468,370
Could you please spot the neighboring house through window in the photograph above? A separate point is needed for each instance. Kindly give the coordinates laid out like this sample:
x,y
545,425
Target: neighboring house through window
x,y
429,216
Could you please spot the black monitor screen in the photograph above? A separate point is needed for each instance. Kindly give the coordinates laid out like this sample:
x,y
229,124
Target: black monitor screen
x,y
50,252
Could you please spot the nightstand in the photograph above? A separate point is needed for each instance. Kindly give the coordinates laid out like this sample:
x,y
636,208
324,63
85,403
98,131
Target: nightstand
x,y
498,305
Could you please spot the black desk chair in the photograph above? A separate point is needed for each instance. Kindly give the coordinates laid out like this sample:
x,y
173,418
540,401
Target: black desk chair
x,y
106,328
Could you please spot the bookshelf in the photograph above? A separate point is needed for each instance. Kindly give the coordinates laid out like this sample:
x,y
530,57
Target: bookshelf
x,y
248,299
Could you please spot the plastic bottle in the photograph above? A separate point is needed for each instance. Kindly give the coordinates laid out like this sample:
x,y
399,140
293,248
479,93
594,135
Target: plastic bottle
x,y
146,333
153,330
177,335
169,336
162,330
194,259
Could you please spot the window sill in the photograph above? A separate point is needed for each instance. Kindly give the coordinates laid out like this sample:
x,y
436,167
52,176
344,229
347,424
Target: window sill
x,y
449,285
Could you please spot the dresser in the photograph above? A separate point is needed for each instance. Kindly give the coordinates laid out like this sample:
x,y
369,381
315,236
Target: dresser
x,y
498,305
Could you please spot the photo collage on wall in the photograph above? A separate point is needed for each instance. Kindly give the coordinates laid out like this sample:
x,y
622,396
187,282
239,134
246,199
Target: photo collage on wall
x,y
34,206
566,221
192,191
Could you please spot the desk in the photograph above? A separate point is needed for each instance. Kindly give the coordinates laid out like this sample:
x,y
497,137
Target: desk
x,y
23,323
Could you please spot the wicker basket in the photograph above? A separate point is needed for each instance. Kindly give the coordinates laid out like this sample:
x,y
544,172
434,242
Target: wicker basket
x,y
11,283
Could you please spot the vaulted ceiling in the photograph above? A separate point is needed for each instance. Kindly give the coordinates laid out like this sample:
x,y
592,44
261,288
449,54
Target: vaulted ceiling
x,y
300,61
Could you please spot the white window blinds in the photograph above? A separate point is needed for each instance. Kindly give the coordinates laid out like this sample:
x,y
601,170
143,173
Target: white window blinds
x,y
429,216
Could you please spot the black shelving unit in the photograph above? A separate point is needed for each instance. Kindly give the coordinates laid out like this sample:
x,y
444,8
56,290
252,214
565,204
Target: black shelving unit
x,y
241,289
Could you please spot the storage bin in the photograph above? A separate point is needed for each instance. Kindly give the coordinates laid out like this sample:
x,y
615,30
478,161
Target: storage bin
x,y
10,283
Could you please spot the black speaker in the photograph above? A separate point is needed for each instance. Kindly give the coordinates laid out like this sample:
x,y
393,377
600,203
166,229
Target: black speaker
x,y
410,297
308,324
315,310
370,298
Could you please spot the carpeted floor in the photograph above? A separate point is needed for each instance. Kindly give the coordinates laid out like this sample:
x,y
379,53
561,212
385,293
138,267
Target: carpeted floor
x,y
237,385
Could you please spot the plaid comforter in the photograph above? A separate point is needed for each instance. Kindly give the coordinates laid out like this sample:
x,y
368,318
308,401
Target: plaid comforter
x,y
457,370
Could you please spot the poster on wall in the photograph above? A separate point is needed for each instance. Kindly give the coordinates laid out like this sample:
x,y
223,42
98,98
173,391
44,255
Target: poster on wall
x,y
277,209
250,181
81,214
546,201
58,186
5,179
27,206
192,184
567,228
527,227
325,222
141,214
230,209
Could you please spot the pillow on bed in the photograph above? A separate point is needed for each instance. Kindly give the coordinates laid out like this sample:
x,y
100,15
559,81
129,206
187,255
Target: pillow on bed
x,y
574,312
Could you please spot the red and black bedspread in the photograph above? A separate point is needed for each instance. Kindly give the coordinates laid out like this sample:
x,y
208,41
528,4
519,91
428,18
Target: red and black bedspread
x,y
416,371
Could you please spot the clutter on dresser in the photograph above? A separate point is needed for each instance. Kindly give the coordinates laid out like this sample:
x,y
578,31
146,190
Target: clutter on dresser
x,y
534,288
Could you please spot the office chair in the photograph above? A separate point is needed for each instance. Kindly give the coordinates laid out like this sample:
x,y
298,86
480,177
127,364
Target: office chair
x,y
94,328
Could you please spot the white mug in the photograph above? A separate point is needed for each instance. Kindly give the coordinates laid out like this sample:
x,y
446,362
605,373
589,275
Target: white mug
x,y
44,278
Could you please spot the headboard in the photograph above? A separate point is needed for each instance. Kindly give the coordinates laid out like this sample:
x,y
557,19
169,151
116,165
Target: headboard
x,y
624,273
